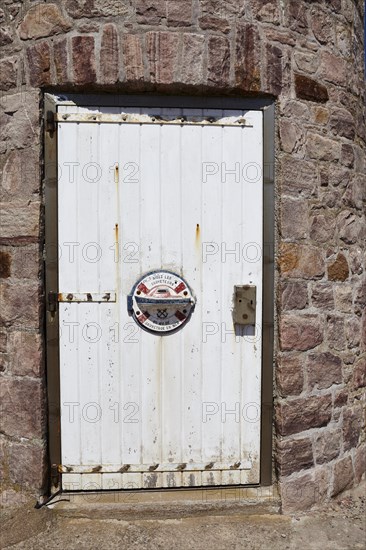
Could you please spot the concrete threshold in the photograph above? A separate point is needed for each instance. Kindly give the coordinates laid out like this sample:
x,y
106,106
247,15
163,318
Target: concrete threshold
x,y
169,504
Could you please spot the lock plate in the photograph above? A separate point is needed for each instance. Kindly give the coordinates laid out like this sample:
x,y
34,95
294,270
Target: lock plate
x,y
245,301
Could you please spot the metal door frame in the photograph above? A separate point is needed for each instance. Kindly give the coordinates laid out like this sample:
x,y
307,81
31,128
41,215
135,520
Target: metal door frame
x,y
51,102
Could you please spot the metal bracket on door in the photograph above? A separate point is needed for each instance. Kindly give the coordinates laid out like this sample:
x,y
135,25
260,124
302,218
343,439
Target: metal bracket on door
x,y
244,304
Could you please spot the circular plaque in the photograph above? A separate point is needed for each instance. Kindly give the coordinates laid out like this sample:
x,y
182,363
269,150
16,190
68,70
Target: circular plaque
x,y
161,302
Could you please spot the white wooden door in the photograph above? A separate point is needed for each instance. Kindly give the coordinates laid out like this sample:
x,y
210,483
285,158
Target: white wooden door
x,y
144,190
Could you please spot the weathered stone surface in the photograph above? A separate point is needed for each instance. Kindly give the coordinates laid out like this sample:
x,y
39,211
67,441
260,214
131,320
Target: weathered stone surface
x,y
5,36
302,413
247,66
26,261
21,126
333,69
27,464
298,16
150,13
336,332
347,155
309,89
338,270
353,331
298,493
322,148
294,219
26,354
291,135
192,59
322,295
360,298
20,175
343,298
354,196
20,303
294,109
343,475
294,295
322,227
351,427
349,227
98,8
322,25
301,261
359,373
8,73
60,59
342,123
43,20
266,10
210,22
360,463
274,69
109,55
294,455
307,62
321,115
178,17
218,61
83,59
327,445
289,374
300,332
340,398
38,57
162,54
299,177
132,55
22,408
5,264
323,370
19,220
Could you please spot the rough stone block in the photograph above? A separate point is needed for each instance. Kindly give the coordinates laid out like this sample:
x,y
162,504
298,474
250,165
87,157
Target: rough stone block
x,y
322,227
327,445
294,455
309,89
8,73
133,59
178,17
359,373
298,493
301,261
333,69
335,330
274,69
162,54
322,295
291,135
192,59
22,412
150,13
300,332
218,61
20,303
352,418
21,125
343,475
25,349
322,148
212,23
323,370
294,295
342,123
247,63
109,55
294,219
343,298
289,374
299,177
302,413
27,464
61,61
338,270
39,64
43,20
83,59
360,463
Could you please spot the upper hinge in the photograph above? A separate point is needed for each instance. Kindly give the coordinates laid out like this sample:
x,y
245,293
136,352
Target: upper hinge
x,y
50,122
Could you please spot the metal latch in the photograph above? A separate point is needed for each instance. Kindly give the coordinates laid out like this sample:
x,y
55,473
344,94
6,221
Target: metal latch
x,y
245,301
52,301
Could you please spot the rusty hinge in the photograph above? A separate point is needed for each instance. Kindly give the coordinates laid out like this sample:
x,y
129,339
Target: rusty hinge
x,y
52,301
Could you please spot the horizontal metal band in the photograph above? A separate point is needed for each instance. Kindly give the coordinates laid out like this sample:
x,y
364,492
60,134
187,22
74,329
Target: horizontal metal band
x,y
167,467
237,122
86,297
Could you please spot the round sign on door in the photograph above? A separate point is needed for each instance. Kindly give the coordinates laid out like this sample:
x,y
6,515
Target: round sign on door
x,y
161,302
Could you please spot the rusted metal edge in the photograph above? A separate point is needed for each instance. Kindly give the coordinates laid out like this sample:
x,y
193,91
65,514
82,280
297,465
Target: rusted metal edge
x,y
238,122
86,297
148,468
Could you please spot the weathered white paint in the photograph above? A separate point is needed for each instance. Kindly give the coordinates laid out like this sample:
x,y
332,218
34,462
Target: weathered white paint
x,y
142,410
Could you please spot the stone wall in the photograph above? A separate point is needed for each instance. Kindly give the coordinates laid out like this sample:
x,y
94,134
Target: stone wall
x,y
306,54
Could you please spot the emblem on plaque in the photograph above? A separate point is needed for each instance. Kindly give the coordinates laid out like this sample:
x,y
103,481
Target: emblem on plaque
x,y
161,302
